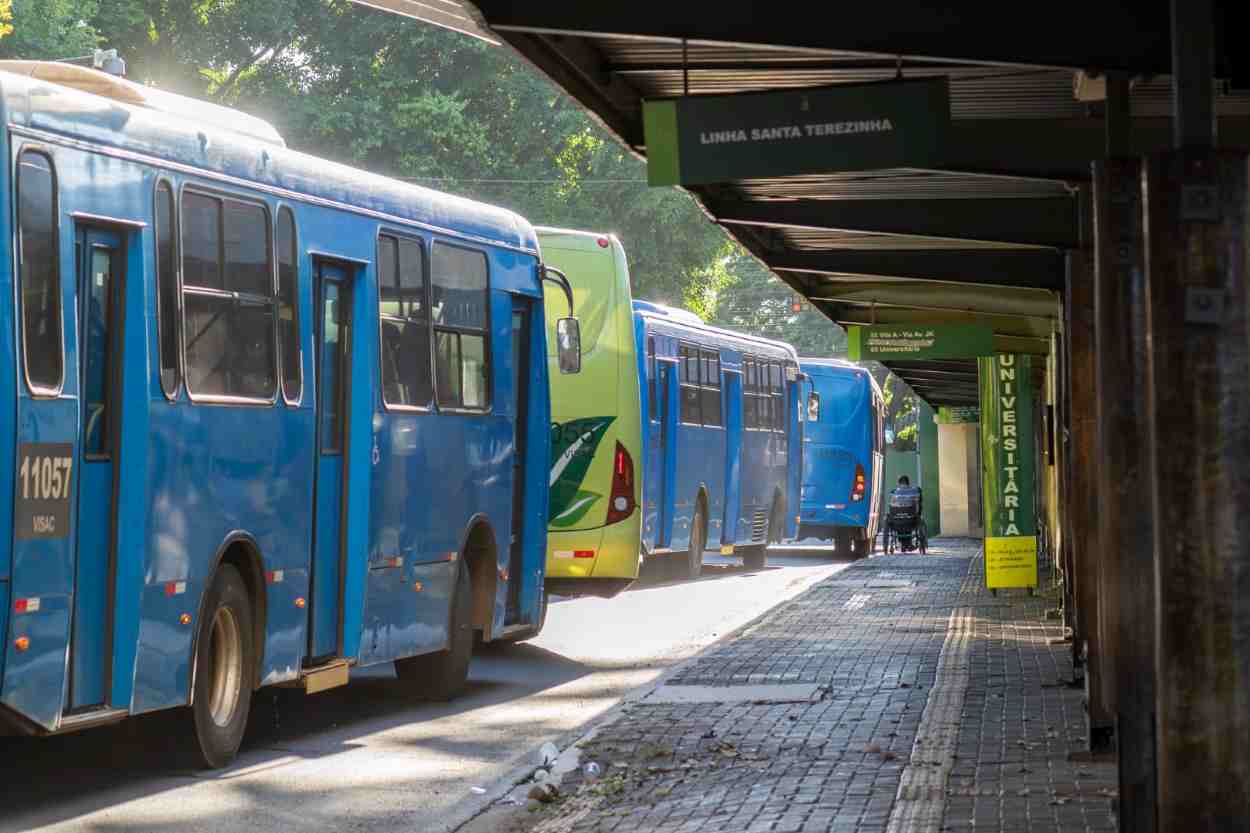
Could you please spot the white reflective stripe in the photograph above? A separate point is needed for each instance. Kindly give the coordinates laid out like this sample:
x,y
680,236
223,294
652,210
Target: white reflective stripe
x,y
563,553
180,587
32,604
278,575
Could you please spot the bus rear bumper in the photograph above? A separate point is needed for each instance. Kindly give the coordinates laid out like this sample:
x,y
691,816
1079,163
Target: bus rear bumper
x,y
607,553
603,588
819,521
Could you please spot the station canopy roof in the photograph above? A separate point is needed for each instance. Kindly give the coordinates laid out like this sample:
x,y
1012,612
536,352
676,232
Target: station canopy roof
x,y
980,239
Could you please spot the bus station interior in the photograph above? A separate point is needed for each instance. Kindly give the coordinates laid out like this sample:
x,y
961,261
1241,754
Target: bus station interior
x,y
1090,206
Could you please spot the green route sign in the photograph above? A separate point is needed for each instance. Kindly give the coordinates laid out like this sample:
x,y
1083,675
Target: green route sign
x,y
958,414
1008,459
884,342
696,140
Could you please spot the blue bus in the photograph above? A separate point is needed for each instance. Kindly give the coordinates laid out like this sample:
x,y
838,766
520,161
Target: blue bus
x,y
721,451
268,417
843,455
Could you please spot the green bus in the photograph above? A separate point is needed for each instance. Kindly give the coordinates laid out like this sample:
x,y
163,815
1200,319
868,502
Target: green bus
x,y
594,520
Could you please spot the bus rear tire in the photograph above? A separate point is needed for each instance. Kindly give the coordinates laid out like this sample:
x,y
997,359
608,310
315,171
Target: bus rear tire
x,y
859,543
225,668
698,541
756,558
442,675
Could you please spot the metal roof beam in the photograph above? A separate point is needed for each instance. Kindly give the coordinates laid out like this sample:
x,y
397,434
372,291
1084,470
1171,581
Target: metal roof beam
x,y
577,67
816,63
1048,221
1041,268
1059,148
1118,34
953,376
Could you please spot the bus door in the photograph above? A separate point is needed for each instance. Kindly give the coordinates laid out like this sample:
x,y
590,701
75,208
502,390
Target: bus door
x,y
333,355
732,384
664,448
797,400
520,401
100,265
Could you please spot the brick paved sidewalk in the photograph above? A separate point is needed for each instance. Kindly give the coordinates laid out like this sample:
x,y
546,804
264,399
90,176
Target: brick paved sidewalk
x,y
895,695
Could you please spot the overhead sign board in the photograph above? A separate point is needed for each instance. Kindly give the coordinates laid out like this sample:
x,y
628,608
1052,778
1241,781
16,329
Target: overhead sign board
x,y
702,139
958,414
1009,458
884,342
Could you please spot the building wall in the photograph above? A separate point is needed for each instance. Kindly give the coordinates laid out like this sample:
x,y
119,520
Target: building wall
x,y
959,480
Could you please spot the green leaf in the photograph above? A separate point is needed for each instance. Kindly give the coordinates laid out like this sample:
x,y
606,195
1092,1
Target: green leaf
x,y
582,503
573,446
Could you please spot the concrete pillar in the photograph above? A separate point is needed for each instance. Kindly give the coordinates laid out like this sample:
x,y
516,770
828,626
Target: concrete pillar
x,y
1126,591
1199,419
1086,549
927,445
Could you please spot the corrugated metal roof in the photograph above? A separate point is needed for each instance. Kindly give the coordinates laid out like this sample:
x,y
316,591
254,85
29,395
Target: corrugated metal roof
x,y
993,107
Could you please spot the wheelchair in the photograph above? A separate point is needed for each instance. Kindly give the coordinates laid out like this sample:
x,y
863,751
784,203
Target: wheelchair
x,y
904,528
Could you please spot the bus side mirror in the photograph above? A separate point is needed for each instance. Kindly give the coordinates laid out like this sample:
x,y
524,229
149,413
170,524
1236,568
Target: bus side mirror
x,y
569,345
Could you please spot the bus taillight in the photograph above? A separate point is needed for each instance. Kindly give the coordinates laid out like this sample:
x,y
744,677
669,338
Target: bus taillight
x,y
857,491
621,504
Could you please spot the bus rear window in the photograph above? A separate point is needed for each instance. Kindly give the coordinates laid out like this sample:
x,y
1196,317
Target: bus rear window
x,y
592,276
841,397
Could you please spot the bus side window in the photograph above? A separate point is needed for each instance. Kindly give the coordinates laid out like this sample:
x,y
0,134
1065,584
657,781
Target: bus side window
x,y
690,397
288,307
750,414
404,318
813,407
41,286
710,390
229,301
652,384
167,288
778,396
462,364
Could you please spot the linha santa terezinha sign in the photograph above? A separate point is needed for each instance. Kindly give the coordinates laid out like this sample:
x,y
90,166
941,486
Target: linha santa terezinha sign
x,y
845,127
1008,460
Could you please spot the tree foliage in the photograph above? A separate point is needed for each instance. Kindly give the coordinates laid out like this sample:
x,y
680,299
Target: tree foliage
x,y
420,103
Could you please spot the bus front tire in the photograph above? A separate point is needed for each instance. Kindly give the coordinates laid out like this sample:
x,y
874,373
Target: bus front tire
x,y
442,675
225,668
698,542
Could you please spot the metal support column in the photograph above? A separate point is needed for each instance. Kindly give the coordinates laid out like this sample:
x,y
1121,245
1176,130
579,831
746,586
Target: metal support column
x,y
1086,551
1198,208
1126,598
1199,416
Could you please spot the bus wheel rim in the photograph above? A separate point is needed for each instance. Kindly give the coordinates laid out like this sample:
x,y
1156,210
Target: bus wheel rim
x,y
226,658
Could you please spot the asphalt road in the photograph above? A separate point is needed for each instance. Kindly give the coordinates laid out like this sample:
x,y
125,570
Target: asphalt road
x,y
365,758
